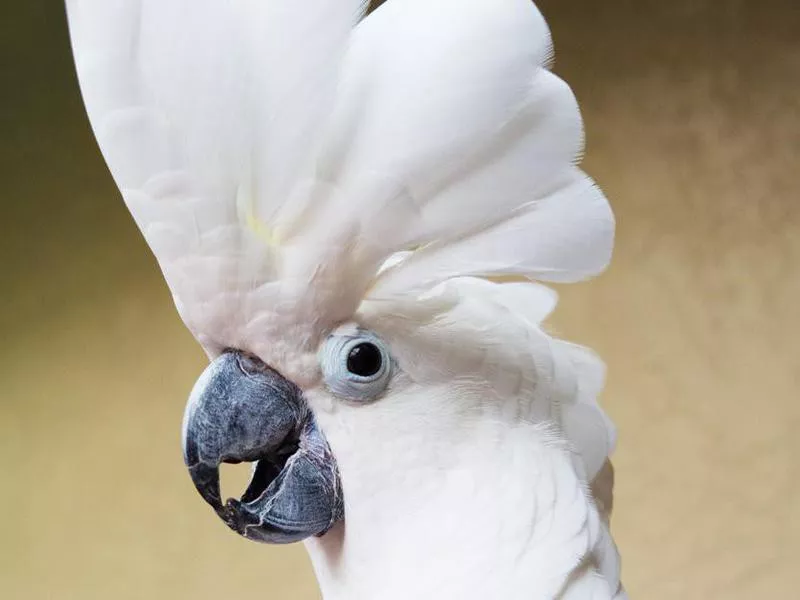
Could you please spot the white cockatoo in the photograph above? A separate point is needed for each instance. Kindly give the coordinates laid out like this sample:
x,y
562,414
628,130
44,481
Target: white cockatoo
x,y
350,211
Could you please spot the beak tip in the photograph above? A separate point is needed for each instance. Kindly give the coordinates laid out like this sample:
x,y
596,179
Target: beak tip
x,y
206,480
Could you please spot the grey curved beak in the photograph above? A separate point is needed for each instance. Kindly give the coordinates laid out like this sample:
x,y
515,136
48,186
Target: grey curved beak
x,y
241,410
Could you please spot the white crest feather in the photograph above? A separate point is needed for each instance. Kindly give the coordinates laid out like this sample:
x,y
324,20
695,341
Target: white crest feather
x,y
207,114
276,153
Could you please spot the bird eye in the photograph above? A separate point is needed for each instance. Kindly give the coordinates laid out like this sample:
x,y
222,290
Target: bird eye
x,y
356,366
364,360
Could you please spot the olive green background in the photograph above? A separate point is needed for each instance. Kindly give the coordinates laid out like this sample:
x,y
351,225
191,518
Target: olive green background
x,y
693,128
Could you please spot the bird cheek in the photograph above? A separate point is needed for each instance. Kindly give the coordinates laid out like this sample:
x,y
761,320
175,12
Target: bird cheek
x,y
322,403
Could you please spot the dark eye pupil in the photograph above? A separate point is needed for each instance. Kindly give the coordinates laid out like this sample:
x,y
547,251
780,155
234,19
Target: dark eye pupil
x,y
364,360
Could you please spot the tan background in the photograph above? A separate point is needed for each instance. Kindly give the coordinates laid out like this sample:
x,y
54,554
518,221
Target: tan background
x,y
693,118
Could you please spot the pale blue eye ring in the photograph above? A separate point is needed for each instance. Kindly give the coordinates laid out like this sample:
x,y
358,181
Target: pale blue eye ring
x,y
356,366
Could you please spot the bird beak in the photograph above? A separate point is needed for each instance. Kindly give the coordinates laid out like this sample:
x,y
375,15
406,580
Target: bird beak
x,y
241,410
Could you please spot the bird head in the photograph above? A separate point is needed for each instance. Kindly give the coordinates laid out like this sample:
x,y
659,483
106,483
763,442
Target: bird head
x,y
349,212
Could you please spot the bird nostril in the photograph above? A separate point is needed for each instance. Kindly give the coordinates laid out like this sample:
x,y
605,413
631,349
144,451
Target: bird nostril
x,y
250,364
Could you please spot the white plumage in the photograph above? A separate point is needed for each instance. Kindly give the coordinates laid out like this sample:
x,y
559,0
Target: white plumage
x,y
295,167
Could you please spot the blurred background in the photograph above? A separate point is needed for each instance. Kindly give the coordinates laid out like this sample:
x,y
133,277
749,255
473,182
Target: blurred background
x,y
693,125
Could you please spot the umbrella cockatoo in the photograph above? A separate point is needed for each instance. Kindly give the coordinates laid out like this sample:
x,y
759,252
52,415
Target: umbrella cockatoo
x,y
351,212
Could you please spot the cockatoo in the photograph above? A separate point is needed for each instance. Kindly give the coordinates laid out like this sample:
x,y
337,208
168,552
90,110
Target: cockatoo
x,y
353,213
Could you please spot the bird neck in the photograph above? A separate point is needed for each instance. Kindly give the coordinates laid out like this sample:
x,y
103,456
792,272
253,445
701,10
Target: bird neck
x,y
514,522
